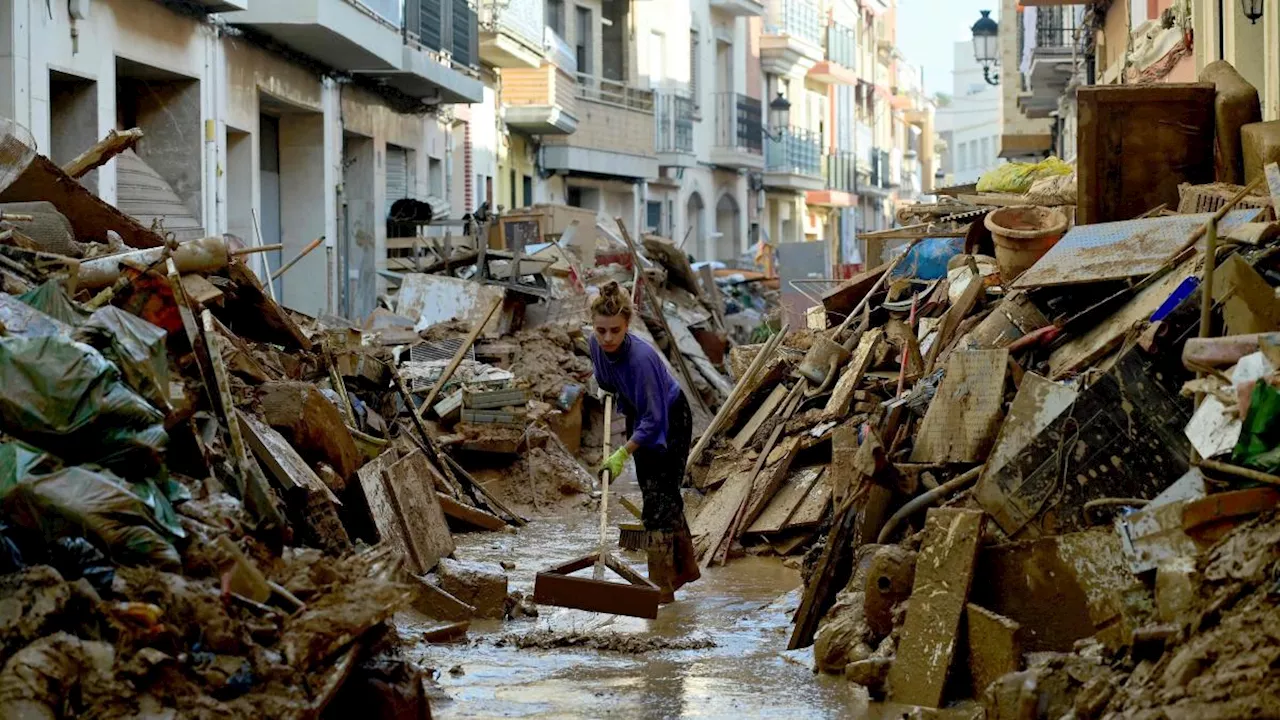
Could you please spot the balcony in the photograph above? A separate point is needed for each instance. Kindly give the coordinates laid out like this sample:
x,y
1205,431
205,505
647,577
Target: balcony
x,y
792,37
1053,60
794,160
511,33
673,129
739,140
739,8
615,135
840,65
540,102
344,34
840,180
369,38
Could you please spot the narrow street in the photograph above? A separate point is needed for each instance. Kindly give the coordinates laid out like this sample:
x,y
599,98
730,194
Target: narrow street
x,y
743,608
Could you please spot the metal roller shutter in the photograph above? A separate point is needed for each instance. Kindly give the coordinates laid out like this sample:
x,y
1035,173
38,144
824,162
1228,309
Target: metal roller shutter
x,y
397,175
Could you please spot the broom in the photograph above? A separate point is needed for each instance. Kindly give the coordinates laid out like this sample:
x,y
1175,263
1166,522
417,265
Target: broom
x,y
631,536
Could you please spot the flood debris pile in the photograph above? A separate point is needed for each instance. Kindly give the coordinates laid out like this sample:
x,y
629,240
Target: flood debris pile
x,y
214,504
1031,464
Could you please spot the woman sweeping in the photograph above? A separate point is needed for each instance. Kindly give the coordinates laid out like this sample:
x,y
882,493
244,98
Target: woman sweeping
x,y
660,427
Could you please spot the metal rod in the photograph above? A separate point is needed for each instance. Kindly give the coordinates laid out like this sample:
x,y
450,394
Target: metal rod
x,y
266,267
259,249
305,251
598,573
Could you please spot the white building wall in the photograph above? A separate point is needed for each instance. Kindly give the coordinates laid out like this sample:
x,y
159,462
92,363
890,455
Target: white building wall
x,y
972,118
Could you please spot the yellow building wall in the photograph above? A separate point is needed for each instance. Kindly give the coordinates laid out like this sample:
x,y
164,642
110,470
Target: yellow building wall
x,y
514,154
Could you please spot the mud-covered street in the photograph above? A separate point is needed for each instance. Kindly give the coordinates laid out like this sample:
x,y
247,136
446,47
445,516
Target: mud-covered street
x,y
742,610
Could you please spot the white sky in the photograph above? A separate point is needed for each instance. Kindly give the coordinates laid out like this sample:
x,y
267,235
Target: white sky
x,y
929,29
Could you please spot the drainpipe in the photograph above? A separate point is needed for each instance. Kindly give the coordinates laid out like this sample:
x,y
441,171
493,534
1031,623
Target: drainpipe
x,y
210,193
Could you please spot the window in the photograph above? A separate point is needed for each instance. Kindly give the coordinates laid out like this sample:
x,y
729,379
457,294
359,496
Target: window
x,y
984,159
582,47
653,216
573,196
555,16
528,191
514,189
964,156
694,61
435,176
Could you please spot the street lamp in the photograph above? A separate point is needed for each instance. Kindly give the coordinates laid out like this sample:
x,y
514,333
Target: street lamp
x,y
985,45
1252,10
779,117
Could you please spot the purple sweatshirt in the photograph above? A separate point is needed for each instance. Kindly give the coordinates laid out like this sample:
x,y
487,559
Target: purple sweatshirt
x,y
637,374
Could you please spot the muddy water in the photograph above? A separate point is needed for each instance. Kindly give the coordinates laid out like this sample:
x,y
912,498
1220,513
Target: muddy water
x,y
743,608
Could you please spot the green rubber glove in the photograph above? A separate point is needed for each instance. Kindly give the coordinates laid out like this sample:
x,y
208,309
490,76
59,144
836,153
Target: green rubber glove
x,y
615,462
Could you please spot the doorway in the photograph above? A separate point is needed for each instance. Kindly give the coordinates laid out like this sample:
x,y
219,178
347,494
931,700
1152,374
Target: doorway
x,y
729,242
694,222
269,183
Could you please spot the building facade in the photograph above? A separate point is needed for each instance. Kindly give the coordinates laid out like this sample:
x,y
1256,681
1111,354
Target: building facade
x,y
969,123
1051,48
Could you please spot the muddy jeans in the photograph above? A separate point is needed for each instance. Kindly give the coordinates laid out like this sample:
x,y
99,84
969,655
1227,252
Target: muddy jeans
x,y
661,472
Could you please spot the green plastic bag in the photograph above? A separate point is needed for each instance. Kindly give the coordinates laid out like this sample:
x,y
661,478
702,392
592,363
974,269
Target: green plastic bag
x,y
79,501
1016,177
51,298
136,347
1259,443
65,397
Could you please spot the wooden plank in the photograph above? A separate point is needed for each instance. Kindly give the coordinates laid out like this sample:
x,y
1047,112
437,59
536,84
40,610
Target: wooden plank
x,y
378,498
844,451
1105,336
100,152
814,507
763,413
1248,302
768,480
411,488
718,511
280,459
787,500
854,371
955,314
201,290
944,574
964,417
829,575
469,515
1137,143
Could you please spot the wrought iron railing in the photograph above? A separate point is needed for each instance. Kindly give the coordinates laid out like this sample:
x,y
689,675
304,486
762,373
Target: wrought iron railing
x,y
841,171
1056,28
673,120
794,150
388,10
798,18
842,45
612,92
739,121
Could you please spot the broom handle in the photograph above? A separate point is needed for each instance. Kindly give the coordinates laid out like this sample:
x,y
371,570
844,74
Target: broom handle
x,y
604,497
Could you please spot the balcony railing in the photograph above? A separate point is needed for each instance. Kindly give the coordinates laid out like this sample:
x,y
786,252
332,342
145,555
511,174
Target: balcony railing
x,y
880,169
442,26
1056,28
673,118
523,18
612,92
841,172
842,46
388,10
739,122
796,150
798,18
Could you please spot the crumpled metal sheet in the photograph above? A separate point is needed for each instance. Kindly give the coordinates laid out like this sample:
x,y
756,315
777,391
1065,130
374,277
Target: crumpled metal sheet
x,y
1118,250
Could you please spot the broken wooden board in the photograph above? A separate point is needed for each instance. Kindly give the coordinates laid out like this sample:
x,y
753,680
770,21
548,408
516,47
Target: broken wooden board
x,y
844,452
200,290
405,510
91,218
280,459
955,314
311,424
994,645
854,370
718,512
1122,437
1038,403
787,500
813,508
1102,338
1249,303
102,151
471,516
768,480
964,417
845,298
762,414
250,313
944,574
